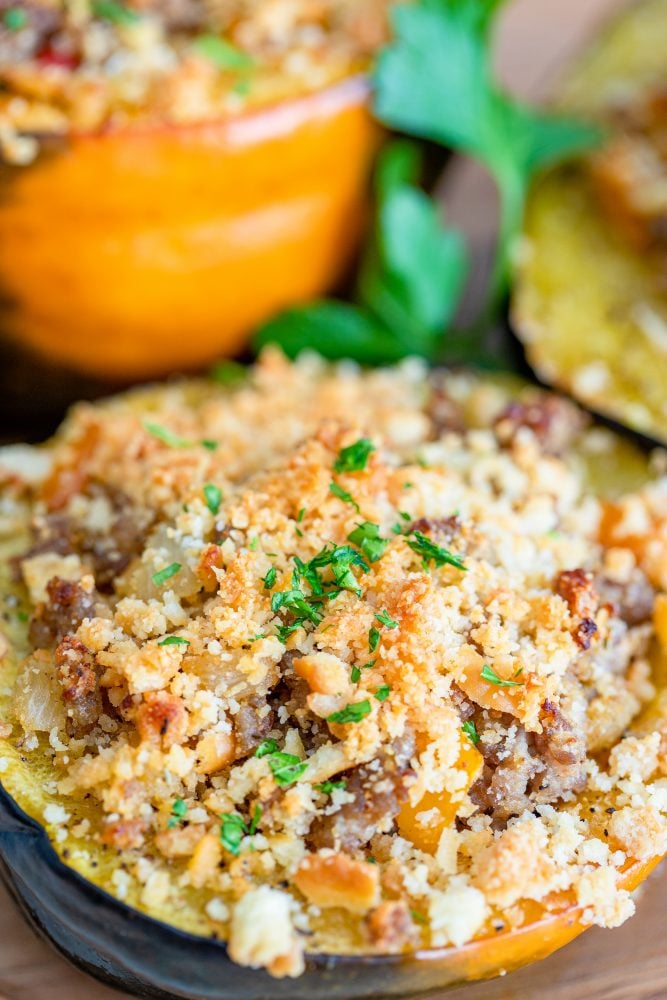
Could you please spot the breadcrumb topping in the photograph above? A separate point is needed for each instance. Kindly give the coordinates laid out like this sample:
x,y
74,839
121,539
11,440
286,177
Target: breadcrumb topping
x,y
312,669
99,64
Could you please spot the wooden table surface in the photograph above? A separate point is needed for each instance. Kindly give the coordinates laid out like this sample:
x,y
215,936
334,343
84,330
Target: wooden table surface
x,y
626,964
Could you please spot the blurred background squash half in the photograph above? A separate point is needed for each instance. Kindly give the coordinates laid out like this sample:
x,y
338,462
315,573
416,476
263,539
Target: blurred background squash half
x,y
134,253
590,302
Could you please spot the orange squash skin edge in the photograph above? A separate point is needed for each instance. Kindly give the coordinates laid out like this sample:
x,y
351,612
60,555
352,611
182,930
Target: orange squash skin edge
x,y
133,253
510,949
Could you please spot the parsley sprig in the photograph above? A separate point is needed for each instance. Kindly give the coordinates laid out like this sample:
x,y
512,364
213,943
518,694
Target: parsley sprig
x,y
285,767
435,82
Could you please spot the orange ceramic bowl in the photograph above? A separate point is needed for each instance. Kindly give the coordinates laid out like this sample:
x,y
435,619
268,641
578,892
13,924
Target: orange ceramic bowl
x,y
137,252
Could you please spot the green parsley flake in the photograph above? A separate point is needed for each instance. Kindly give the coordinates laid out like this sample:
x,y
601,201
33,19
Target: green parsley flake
x,y
300,516
286,767
178,811
229,373
166,574
367,537
470,730
355,675
224,55
295,601
266,747
166,436
14,19
492,677
256,819
210,445
355,457
114,12
270,579
432,553
373,639
213,497
232,832
253,543
343,495
327,787
351,713
383,692
174,640
384,618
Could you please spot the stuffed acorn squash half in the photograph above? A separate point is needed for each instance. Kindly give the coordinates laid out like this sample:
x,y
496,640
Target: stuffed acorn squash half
x,y
590,304
353,679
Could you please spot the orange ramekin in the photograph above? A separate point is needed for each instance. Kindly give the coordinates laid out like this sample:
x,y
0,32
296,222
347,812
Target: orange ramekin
x,y
137,252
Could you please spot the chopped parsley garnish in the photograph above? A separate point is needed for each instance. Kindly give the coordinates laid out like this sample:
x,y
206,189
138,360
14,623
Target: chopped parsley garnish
x,y
14,19
266,747
174,640
166,574
210,445
373,639
23,616
355,457
383,692
213,497
367,537
418,917
432,553
343,495
404,515
296,602
270,579
253,543
300,516
488,674
231,374
166,436
256,819
232,832
178,811
114,12
355,675
385,619
224,55
327,787
470,730
286,767
351,713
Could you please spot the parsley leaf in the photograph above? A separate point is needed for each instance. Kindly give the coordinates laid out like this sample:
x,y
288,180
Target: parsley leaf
x,y
383,692
432,553
286,767
327,787
232,832
457,102
373,639
213,497
114,12
14,19
222,53
270,578
166,574
385,619
166,436
256,819
355,457
178,811
343,495
231,374
266,747
488,674
470,730
367,537
174,640
295,601
354,712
